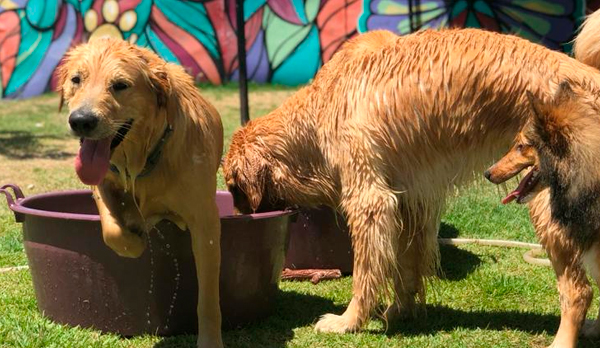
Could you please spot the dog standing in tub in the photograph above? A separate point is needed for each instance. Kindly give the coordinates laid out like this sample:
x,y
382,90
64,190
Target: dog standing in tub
x,y
150,147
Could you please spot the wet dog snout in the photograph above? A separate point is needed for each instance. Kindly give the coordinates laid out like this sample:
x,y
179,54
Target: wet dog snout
x,y
83,122
488,175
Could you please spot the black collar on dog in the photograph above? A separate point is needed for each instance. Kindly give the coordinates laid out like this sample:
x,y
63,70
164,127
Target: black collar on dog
x,y
154,157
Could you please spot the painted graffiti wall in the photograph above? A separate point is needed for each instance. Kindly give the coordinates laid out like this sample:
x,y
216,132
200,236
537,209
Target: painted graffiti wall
x,y
286,40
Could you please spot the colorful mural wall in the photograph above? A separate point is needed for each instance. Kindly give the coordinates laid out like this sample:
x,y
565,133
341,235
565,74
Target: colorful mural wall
x,y
286,40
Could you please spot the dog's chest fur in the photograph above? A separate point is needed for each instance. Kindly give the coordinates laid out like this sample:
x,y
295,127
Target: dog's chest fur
x,y
579,215
143,205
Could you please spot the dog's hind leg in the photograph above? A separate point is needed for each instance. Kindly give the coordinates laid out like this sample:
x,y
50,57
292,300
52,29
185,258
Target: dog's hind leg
x,y
575,295
591,260
418,257
371,211
408,283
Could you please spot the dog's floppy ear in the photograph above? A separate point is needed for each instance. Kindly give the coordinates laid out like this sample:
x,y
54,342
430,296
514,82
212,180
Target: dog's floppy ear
x,y
255,182
155,73
545,129
61,73
159,81
248,175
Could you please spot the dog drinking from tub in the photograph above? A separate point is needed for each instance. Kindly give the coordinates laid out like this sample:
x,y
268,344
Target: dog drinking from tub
x,y
559,146
150,146
387,127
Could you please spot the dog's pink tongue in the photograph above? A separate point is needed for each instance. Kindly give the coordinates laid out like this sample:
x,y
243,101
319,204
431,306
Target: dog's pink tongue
x,y
511,197
517,192
93,160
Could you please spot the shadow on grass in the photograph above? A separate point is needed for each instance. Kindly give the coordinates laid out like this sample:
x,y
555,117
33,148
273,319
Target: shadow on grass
x,y
445,319
442,318
25,145
291,310
456,263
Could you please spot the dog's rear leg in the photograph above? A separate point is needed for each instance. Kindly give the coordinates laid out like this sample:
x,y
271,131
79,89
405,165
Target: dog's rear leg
x,y
205,229
371,213
591,259
418,256
409,281
575,296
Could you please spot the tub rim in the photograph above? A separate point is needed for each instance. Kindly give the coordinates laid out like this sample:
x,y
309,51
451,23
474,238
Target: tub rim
x,y
19,206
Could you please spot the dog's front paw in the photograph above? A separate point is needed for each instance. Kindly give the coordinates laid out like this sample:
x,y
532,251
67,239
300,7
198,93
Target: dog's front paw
x,y
124,242
337,324
591,329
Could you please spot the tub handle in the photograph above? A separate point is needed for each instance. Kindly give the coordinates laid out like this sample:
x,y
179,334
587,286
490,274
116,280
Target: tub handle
x,y
18,194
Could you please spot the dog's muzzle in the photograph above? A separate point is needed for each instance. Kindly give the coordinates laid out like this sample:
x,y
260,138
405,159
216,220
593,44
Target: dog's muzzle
x,y
83,122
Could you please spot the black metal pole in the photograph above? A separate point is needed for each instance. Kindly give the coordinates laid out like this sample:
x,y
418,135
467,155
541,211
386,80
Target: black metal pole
x,y
241,41
410,16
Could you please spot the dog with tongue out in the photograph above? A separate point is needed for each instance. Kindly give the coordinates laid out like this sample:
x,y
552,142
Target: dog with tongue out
x,y
557,148
150,149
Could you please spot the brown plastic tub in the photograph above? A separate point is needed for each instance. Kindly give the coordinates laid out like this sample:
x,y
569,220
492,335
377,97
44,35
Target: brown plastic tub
x,y
78,280
319,239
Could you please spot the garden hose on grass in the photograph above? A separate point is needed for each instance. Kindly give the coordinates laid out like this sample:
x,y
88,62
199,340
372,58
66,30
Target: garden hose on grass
x,y
530,256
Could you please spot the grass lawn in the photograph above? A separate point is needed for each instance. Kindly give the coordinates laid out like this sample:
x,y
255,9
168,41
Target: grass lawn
x,y
487,297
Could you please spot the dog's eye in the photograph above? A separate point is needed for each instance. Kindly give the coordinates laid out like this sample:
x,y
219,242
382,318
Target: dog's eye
x,y
76,79
520,147
119,86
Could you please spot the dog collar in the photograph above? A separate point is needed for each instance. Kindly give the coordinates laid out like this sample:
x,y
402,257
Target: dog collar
x,y
153,157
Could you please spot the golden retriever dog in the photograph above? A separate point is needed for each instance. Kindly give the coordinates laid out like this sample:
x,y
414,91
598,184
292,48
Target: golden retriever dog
x,y
563,191
385,130
150,146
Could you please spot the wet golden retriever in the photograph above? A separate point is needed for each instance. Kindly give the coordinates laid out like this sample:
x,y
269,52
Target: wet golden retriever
x,y
387,128
150,146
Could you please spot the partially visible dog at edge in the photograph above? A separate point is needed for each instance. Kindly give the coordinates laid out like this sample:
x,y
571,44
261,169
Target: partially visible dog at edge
x,y
151,147
385,130
558,147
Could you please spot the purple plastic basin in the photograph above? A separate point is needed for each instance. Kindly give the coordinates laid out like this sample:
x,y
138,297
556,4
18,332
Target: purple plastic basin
x,y
319,239
78,280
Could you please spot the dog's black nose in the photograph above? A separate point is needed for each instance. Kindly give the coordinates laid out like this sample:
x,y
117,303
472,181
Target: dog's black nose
x,y
487,175
83,122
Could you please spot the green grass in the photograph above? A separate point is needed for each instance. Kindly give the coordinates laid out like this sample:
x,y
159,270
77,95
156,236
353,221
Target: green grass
x,y
486,296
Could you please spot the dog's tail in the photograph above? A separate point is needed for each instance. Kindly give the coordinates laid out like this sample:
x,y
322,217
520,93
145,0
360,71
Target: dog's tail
x,y
587,43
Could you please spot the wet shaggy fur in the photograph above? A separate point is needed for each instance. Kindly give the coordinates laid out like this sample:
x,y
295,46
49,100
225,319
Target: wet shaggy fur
x,y
586,47
118,83
565,204
385,130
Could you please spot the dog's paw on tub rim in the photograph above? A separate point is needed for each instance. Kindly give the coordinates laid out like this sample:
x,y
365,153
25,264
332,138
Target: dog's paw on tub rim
x,y
336,324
